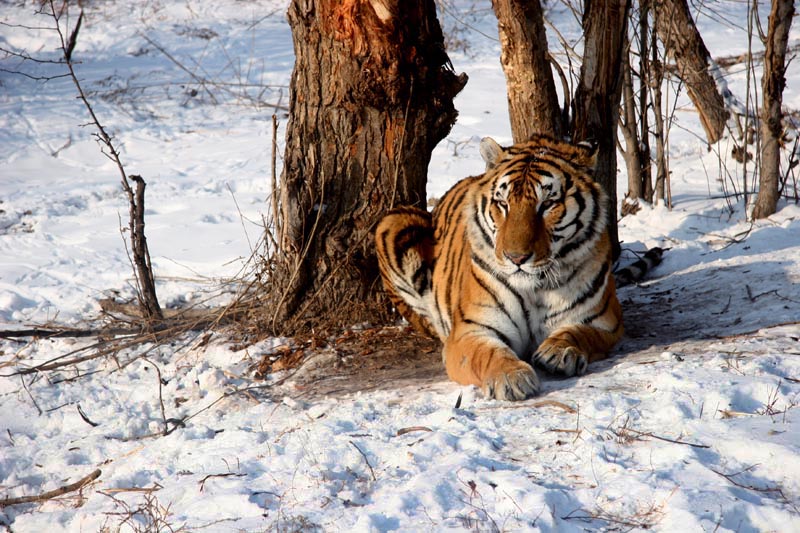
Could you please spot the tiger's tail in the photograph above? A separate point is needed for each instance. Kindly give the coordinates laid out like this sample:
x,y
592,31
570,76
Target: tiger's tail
x,y
405,247
636,271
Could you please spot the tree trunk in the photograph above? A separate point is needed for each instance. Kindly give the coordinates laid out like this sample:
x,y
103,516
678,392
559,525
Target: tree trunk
x,y
772,85
597,97
532,98
371,96
681,38
645,43
632,152
636,154
656,76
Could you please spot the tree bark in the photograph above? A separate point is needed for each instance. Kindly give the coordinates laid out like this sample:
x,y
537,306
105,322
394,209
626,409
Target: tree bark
x,y
371,96
597,98
532,99
146,285
681,39
772,85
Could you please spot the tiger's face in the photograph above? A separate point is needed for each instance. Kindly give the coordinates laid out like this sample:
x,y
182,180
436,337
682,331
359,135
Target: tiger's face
x,y
523,212
538,206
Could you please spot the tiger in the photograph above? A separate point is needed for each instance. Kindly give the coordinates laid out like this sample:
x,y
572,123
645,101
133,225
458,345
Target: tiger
x,y
512,268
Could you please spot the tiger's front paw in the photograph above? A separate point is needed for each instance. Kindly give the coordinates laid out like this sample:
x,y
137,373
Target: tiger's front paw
x,y
516,380
561,358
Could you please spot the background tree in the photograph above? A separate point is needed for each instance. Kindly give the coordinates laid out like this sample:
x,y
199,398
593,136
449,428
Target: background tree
x,y
596,101
532,99
772,85
371,96
683,42
634,123
642,117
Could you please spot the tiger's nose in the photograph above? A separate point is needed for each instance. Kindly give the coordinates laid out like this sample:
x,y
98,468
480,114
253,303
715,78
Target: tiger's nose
x,y
517,259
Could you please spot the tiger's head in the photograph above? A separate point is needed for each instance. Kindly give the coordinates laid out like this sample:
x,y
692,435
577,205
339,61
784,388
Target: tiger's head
x,y
540,205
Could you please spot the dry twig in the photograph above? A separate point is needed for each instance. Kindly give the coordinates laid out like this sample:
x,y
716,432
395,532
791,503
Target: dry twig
x,y
365,459
72,487
202,482
768,490
411,429
665,439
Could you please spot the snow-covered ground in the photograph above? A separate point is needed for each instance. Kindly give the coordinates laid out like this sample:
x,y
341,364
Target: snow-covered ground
x,y
691,426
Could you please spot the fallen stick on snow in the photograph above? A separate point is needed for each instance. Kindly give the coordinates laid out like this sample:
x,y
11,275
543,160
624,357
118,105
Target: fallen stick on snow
x,y
540,403
665,439
52,493
403,431
116,490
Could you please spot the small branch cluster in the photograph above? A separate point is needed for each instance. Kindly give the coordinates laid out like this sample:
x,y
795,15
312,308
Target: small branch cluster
x,y
148,516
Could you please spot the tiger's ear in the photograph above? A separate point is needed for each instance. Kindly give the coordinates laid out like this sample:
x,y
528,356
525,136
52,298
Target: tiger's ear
x,y
589,151
491,152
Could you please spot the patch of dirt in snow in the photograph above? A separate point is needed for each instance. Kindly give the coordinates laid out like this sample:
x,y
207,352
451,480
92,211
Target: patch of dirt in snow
x,y
372,359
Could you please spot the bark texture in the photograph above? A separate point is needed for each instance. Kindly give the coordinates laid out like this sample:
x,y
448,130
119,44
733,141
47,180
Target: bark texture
x,y
532,99
677,31
772,85
596,102
371,96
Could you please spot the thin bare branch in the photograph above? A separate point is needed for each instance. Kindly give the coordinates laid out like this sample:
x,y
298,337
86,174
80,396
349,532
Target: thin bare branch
x,y
49,495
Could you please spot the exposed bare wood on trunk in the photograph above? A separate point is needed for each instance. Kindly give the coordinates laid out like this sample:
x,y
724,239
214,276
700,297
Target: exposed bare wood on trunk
x,y
772,85
532,98
372,92
597,97
682,40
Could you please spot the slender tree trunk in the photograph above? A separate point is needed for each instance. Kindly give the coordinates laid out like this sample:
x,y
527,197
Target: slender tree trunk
x,y
635,126
681,39
532,98
141,254
772,85
645,43
655,73
633,152
598,94
662,172
371,96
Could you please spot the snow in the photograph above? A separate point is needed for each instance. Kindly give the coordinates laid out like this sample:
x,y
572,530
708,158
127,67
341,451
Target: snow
x,y
690,426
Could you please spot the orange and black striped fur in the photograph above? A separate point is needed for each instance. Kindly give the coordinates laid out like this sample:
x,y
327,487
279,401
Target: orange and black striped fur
x,y
512,266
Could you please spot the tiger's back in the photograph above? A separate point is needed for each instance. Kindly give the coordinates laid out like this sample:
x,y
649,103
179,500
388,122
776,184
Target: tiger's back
x,y
518,268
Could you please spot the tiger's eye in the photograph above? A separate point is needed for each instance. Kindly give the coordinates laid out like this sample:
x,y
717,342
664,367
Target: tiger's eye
x,y
546,205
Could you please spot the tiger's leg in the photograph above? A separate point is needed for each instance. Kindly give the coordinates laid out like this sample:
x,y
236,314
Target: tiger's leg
x,y
569,349
404,246
585,336
481,360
